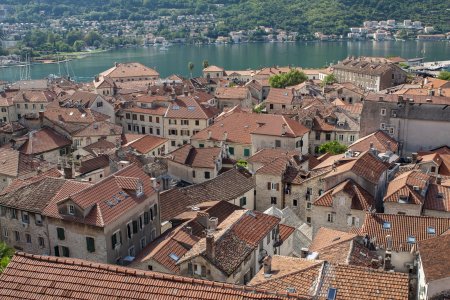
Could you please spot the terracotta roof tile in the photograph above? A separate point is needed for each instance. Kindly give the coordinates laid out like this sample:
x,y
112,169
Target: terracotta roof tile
x,y
361,199
327,237
44,140
132,69
67,278
435,257
96,163
178,200
147,143
379,139
240,93
187,107
437,197
196,157
402,227
404,186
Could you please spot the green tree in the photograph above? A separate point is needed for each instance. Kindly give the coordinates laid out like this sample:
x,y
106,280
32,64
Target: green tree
x,y
73,35
329,79
191,67
205,64
78,45
6,253
290,78
91,37
444,75
333,147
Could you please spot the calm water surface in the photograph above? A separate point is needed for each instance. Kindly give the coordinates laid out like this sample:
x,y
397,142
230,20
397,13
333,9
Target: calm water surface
x,y
240,56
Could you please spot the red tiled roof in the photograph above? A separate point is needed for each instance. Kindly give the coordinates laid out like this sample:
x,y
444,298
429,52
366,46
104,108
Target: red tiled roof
x,y
196,157
68,278
280,96
416,99
103,128
404,184
366,165
147,143
239,93
401,227
187,107
132,69
44,140
435,257
437,198
361,199
99,162
380,141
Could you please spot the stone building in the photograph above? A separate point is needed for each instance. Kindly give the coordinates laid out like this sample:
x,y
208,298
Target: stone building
x,y
417,122
228,97
88,100
370,73
133,71
195,165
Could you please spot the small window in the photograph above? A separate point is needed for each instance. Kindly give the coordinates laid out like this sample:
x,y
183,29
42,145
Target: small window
x,y
201,145
65,251
197,122
317,136
61,234
277,144
142,118
386,225
41,242
146,218
411,239
308,205
382,126
90,244
327,136
243,201
383,112
100,104
207,175
231,150
308,220
25,218
273,200
431,230
295,202
28,238
71,209
17,236
330,217
246,152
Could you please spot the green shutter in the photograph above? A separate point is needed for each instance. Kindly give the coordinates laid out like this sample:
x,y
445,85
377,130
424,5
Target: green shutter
x,y
90,244
56,251
231,150
113,241
146,218
201,145
246,152
61,234
65,251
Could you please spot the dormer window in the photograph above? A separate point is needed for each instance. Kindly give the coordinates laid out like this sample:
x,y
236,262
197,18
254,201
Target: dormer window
x,y
386,225
71,209
411,239
139,190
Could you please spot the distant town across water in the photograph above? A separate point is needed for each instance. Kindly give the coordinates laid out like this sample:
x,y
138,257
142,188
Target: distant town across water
x,y
174,59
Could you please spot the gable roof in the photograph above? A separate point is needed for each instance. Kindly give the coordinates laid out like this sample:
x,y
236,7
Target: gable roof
x,y
280,96
187,107
361,199
366,165
379,139
437,197
314,278
239,93
435,257
132,69
403,186
44,140
196,157
147,143
70,278
178,200
402,227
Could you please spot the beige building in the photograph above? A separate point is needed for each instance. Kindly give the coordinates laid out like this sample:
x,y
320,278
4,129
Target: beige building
x,y
30,103
281,100
88,100
194,165
148,145
228,97
123,72
370,73
342,208
213,72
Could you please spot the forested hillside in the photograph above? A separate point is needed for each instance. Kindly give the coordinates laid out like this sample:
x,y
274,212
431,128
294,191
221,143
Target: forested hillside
x,y
305,16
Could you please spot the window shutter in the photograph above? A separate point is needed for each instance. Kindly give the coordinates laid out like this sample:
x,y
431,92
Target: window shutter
x,y
151,214
135,227
56,251
278,186
146,218
203,271
349,220
269,185
90,243
61,235
65,252
190,270
155,208
113,241
357,222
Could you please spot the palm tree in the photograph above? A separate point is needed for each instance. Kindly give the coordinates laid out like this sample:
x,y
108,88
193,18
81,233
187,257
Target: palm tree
x,y
6,253
191,67
205,64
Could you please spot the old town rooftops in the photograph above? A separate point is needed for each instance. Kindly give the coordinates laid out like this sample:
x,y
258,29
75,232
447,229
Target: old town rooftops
x,y
101,280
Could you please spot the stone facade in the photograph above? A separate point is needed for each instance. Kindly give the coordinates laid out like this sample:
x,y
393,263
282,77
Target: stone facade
x,y
300,143
180,130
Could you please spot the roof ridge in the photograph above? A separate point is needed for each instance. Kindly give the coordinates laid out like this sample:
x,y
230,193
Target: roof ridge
x,y
149,274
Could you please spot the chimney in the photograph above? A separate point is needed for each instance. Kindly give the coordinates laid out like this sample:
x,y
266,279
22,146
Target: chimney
x,y
283,129
414,156
425,81
116,64
371,145
225,136
304,252
209,134
212,224
189,229
97,79
68,174
439,91
154,183
173,96
439,179
267,261
210,246
202,218
389,242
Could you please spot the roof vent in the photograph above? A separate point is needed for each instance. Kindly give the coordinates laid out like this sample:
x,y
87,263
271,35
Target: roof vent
x,y
291,290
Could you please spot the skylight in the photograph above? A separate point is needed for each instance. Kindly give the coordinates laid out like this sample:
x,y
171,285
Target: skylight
x,y
174,256
331,293
431,230
386,225
411,239
175,107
